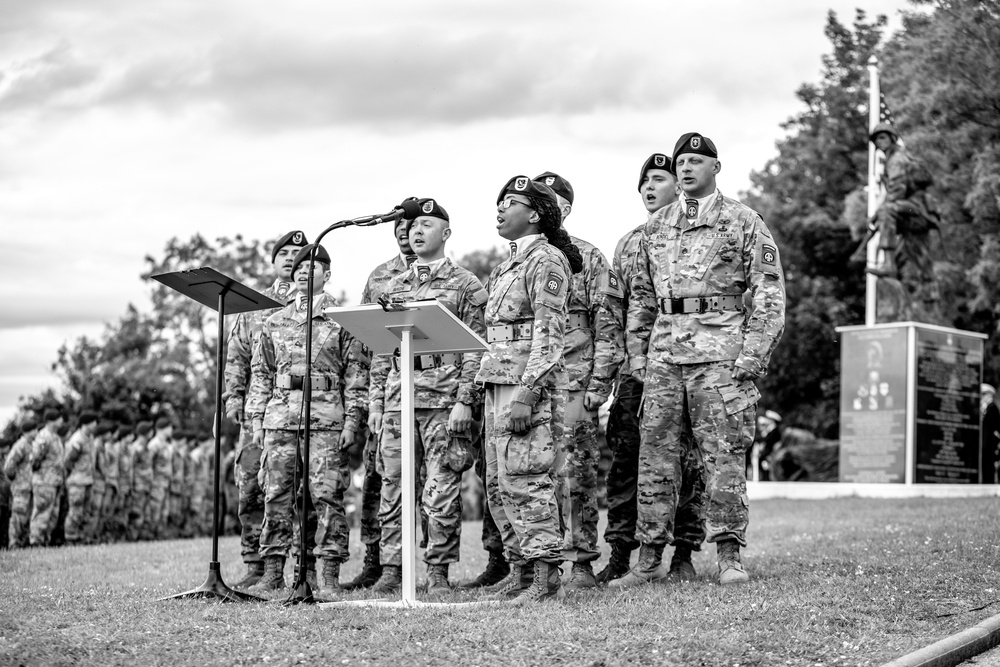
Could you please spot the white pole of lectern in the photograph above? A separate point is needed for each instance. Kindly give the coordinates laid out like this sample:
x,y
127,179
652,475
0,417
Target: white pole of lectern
x,y
409,592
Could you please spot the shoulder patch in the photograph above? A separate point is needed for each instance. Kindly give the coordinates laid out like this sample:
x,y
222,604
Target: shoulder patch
x,y
768,254
614,285
479,297
553,283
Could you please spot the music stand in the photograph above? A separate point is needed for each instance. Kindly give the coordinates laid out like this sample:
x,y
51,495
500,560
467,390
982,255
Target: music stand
x,y
227,296
415,327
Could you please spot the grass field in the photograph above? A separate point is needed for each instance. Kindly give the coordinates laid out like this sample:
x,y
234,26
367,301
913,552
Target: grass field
x,y
834,582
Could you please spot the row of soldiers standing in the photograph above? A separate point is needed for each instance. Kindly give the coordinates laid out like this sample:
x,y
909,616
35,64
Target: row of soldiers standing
x,y
695,295
116,480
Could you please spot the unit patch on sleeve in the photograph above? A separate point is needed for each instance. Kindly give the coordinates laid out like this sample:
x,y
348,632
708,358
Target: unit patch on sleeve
x,y
768,254
553,283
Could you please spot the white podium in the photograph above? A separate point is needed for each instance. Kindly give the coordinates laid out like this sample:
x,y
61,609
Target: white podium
x,y
415,327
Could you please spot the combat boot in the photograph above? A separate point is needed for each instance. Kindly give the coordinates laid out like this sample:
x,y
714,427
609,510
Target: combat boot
x,y
371,570
581,577
681,567
255,570
437,579
495,571
546,585
730,567
618,564
330,571
273,577
391,580
649,569
518,579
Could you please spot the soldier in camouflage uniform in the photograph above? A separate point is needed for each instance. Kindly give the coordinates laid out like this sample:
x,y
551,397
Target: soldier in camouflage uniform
x,y
339,381
78,467
238,359
657,188
698,348
371,489
123,503
46,479
17,468
161,461
526,319
179,493
445,397
106,465
142,482
594,350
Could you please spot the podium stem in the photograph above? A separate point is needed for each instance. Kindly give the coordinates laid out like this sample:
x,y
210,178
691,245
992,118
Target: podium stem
x,y
409,537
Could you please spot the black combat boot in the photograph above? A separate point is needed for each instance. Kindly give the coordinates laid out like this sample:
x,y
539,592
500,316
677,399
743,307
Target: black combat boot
x,y
391,580
370,572
496,569
618,564
681,567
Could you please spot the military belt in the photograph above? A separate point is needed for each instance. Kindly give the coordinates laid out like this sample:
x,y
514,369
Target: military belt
x,y
505,332
578,321
294,382
422,362
701,304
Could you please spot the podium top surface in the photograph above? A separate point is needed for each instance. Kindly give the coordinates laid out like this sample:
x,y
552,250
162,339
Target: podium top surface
x,y
435,329
907,324
204,285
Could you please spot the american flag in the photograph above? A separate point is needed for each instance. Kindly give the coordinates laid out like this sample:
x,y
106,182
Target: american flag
x,y
884,113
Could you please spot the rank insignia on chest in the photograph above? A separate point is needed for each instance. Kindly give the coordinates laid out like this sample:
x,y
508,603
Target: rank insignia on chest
x,y
553,283
768,254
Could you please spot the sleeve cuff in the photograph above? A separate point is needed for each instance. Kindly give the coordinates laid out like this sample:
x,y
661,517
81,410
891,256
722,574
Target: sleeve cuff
x,y
751,364
258,424
526,395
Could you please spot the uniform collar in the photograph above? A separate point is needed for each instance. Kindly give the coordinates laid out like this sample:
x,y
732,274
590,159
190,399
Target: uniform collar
x,y
320,301
283,290
525,242
707,207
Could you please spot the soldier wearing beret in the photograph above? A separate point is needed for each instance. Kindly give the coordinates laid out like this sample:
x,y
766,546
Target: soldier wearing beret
x,y
17,468
526,319
371,490
657,188
47,478
339,391
698,349
238,357
445,397
78,466
593,352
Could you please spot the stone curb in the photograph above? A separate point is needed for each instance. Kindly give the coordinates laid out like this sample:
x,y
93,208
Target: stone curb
x,y
954,649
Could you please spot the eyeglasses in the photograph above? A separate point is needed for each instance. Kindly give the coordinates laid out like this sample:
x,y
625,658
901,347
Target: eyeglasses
x,y
507,203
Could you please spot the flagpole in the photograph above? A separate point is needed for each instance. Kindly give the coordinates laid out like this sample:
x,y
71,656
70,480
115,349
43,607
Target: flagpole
x,y
871,281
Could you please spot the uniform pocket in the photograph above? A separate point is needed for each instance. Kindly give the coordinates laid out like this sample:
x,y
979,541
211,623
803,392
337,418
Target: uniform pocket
x,y
739,397
529,453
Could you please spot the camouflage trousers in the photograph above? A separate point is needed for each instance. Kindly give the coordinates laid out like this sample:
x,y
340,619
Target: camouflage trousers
x,y
371,494
157,508
576,468
441,459
44,513
492,541
623,476
251,497
80,499
720,415
19,531
520,478
104,509
328,479
137,526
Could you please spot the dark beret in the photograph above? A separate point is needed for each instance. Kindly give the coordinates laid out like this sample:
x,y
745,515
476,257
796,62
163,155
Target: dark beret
x,y
322,256
655,161
522,185
692,142
87,416
143,428
291,238
558,184
430,207
162,422
51,414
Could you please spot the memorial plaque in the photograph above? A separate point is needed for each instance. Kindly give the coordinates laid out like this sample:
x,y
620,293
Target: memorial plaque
x,y
949,371
873,405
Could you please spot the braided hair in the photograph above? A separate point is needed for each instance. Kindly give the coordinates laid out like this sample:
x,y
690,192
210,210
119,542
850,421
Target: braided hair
x,y
550,224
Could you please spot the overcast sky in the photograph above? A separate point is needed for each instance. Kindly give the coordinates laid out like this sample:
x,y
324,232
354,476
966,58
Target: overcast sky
x,y
124,123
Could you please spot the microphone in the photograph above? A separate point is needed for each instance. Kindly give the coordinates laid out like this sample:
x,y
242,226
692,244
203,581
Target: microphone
x,y
407,210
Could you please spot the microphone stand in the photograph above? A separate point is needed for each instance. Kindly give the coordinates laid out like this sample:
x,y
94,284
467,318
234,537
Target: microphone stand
x,y
301,590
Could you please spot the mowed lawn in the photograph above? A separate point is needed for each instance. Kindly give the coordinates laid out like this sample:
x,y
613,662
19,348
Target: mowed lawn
x,y
834,582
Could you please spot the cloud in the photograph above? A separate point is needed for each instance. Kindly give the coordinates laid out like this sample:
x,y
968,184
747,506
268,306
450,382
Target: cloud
x,y
57,78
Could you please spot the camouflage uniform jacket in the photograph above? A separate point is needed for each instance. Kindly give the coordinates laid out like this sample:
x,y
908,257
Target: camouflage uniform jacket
x,y
142,464
379,278
107,462
529,288
594,353
17,466
79,459
47,458
178,460
623,264
337,356
460,291
161,460
726,251
126,467
239,352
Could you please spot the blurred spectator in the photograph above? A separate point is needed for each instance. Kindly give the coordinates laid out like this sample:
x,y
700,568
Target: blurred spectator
x,y
991,433
767,438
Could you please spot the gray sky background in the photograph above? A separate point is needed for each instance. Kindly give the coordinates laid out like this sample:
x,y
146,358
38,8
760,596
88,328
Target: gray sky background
x,y
123,124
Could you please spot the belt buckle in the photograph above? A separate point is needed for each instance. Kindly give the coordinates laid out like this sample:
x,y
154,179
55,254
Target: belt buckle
x,y
700,305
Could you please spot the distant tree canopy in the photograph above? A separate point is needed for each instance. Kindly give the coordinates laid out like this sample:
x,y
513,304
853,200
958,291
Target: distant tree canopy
x,y
941,77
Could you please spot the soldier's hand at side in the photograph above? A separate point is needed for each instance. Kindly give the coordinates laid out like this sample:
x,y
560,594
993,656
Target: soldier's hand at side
x,y
234,415
592,401
520,417
460,419
347,438
375,422
258,438
741,374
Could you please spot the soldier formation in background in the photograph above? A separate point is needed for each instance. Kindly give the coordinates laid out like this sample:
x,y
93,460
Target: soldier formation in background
x,y
675,328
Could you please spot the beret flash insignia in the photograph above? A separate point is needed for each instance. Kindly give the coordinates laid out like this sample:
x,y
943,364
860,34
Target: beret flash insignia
x,y
428,206
695,142
521,184
553,283
549,180
659,160
297,239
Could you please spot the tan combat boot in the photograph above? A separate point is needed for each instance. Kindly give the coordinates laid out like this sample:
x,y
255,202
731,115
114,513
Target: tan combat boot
x,y
518,579
273,577
581,577
546,585
649,569
730,567
255,570
391,580
329,575
437,579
